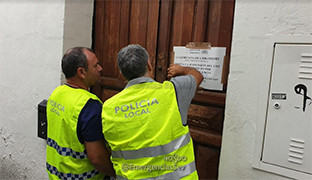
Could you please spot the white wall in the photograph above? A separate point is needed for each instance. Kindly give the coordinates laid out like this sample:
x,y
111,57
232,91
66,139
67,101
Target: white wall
x,y
32,41
254,20
78,24
31,47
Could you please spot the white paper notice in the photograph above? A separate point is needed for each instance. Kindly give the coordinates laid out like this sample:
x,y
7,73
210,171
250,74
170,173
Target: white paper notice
x,y
207,61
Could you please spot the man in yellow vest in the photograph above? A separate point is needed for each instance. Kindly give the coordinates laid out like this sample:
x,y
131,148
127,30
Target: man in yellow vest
x,y
75,142
145,124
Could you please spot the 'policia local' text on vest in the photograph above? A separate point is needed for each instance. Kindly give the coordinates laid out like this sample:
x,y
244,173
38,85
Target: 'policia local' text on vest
x,y
66,156
143,127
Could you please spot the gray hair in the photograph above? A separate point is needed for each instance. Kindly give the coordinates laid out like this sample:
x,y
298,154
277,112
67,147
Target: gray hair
x,y
132,61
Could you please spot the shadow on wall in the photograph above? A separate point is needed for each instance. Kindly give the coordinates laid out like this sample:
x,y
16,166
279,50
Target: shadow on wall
x,y
10,170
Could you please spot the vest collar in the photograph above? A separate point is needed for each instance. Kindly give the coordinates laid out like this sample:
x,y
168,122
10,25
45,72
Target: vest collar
x,y
139,81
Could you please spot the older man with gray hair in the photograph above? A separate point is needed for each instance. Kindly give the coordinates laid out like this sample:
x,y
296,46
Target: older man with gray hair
x,y
145,124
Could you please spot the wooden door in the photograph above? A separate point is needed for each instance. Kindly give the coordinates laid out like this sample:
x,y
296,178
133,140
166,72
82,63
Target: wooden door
x,y
118,23
158,25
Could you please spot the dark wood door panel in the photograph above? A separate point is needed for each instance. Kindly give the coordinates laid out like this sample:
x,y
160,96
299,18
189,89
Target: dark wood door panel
x,y
159,25
117,24
108,93
144,25
207,161
106,41
182,22
206,117
209,98
193,21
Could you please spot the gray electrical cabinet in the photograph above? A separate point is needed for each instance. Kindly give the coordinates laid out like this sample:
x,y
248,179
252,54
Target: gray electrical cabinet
x,y
288,130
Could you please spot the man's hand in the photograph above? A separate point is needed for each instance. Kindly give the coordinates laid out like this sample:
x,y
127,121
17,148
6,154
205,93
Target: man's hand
x,y
177,70
174,70
100,157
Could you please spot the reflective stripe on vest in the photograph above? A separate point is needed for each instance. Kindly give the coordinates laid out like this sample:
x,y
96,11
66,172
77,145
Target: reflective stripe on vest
x,y
153,151
177,174
66,156
66,151
85,175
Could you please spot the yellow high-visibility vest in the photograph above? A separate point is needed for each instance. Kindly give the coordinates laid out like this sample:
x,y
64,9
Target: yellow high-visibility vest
x,y
66,156
142,125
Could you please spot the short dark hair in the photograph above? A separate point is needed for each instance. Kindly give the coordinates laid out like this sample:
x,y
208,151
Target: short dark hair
x,y
132,61
73,59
